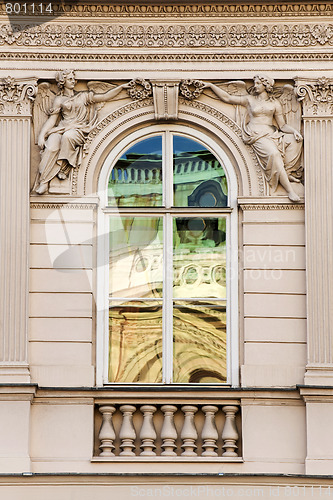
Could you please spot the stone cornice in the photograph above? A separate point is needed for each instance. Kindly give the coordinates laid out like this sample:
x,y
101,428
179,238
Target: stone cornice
x,y
183,9
155,35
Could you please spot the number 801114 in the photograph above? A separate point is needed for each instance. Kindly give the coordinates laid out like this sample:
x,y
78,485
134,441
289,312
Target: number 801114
x,y
33,8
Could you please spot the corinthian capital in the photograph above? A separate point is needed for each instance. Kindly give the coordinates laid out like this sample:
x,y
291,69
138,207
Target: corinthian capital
x,y
16,96
317,96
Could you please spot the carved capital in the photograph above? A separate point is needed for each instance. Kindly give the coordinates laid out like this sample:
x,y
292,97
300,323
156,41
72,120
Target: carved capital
x,y
316,95
16,96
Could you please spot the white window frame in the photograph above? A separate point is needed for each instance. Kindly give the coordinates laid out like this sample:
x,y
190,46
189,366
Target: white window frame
x,y
102,295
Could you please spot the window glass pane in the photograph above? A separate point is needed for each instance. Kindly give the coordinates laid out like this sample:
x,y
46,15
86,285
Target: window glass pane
x,y
199,257
136,178
136,257
199,178
199,342
135,331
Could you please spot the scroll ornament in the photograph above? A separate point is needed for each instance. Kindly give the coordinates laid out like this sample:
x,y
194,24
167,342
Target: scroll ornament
x,y
316,95
16,96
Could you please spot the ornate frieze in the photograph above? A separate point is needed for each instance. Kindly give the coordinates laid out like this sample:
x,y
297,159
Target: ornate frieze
x,y
187,10
317,96
155,35
16,96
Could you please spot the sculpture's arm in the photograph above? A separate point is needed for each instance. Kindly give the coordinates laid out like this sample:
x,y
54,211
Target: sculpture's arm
x,y
48,125
107,96
225,97
284,127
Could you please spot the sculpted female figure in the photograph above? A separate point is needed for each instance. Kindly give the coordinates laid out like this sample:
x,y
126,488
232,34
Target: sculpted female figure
x,y
71,117
277,148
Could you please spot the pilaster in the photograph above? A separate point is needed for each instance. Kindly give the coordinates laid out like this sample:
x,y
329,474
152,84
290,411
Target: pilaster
x,y
317,97
15,122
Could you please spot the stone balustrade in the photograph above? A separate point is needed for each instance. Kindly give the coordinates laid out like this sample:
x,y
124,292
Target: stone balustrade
x,y
174,431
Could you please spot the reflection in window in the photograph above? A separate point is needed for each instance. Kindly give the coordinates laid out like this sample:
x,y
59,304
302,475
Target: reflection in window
x,y
135,260
199,342
199,257
167,267
136,178
135,342
199,178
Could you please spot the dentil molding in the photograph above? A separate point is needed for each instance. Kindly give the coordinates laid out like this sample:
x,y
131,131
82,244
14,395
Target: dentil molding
x,y
167,36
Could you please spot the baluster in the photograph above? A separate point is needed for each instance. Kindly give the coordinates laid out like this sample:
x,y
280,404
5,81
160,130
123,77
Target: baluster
x,y
230,434
209,432
127,431
148,433
189,433
168,432
106,434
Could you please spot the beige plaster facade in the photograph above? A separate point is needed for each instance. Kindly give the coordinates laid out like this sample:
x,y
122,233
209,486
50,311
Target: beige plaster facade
x,y
66,432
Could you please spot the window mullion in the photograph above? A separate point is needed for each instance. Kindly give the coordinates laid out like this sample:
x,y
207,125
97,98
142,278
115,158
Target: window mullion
x,y
167,300
168,262
168,169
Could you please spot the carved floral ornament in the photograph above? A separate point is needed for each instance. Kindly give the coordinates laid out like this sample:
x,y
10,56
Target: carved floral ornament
x,y
16,96
316,95
175,35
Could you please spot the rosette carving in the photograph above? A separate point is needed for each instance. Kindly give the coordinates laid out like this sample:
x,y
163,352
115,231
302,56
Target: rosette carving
x,y
191,89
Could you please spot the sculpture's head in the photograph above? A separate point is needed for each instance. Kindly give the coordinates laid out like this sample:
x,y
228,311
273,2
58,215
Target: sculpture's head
x,y
266,81
66,78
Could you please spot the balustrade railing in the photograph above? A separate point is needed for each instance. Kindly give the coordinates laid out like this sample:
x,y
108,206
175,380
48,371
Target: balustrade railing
x,y
177,431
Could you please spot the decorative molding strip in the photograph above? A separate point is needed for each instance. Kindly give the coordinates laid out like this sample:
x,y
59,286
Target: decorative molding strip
x,y
158,36
269,9
282,206
58,57
58,206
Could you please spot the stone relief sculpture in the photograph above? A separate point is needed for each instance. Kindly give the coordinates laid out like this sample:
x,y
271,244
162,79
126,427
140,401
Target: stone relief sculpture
x,y
62,122
277,143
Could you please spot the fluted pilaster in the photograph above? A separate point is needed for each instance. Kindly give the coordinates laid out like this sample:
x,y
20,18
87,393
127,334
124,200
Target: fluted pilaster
x,y
15,123
317,97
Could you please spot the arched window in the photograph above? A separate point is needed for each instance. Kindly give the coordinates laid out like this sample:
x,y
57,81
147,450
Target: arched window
x,y
169,285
